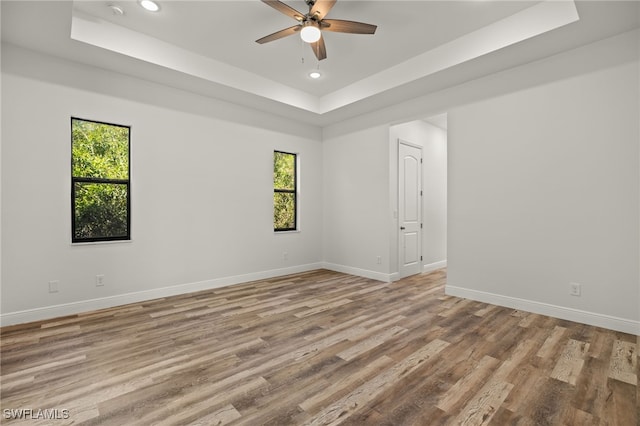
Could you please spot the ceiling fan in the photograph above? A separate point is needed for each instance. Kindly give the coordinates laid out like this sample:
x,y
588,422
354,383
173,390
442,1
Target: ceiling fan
x,y
310,25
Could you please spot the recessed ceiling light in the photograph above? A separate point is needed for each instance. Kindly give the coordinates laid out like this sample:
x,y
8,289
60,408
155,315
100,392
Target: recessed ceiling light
x,y
150,5
315,75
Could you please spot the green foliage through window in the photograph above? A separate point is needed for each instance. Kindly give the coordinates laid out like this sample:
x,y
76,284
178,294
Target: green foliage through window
x,y
100,181
285,197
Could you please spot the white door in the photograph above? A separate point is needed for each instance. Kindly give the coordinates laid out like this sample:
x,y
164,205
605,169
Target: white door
x,y
410,209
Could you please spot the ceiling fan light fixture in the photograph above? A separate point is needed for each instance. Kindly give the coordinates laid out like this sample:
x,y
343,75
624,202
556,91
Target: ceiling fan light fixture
x,y
310,32
311,25
149,5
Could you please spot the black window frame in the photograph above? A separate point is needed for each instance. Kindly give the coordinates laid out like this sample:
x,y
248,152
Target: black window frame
x,y
92,180
293,191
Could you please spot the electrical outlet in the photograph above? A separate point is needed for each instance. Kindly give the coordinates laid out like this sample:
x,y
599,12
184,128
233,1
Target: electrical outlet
x,y
575,289
99,280
379,260
285,256
53,286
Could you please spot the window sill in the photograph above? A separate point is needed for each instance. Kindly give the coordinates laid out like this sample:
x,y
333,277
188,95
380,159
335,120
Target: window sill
x,y
91,243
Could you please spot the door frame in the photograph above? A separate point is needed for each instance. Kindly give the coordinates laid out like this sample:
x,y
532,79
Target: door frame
x,y
399,253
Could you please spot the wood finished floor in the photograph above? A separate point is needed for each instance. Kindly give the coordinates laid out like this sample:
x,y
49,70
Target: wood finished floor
x,y
320,348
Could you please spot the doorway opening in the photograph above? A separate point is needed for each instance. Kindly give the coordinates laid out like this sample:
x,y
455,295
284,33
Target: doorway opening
x,y
419,195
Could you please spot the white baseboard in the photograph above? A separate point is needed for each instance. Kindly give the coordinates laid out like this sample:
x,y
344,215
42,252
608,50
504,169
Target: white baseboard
x,y
73,308
433,266
599,320
37,314
379,276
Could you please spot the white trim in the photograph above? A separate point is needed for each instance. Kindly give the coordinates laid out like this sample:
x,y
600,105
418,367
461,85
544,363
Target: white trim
x,y
93,243
433,266
411,144
591,318
72,308
379,276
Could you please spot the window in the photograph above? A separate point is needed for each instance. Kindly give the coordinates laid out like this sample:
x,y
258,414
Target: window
x,y
285,191
100,188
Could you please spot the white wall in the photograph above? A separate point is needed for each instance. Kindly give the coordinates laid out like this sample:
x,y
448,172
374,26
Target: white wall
x,y
202,202
356,202
543,191
534,144
544,105
434,210
361,195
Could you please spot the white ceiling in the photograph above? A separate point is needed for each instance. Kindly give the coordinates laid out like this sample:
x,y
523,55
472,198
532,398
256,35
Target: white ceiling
x,y
226,31
209,46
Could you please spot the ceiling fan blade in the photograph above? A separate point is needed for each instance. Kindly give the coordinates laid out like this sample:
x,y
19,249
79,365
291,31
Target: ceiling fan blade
x,y
352,27
279,34
283,8
319,49
321,8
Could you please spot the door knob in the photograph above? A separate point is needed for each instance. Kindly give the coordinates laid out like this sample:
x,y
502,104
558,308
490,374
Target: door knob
x,y
402,228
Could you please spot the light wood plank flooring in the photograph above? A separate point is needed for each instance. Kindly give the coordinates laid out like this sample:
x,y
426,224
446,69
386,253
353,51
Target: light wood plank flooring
x,y
319,348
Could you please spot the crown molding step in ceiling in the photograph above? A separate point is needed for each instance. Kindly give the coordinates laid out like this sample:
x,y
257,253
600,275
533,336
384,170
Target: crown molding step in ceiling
x,y
530,22
210,46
